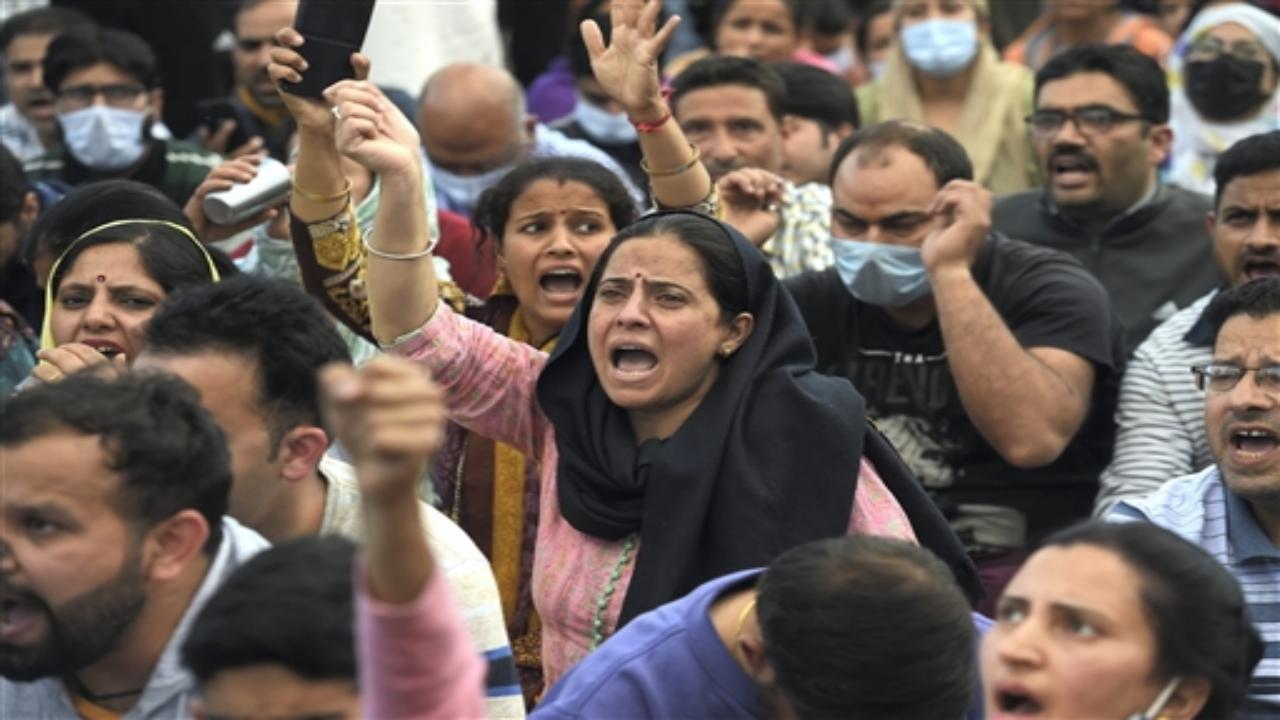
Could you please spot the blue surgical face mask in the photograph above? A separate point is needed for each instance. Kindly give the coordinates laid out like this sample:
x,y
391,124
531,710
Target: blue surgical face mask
x,y
843,58
940,47
883,275
462,191
104,138
603,126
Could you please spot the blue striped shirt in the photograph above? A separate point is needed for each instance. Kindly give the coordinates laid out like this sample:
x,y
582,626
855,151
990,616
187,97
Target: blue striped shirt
x,y
1201,509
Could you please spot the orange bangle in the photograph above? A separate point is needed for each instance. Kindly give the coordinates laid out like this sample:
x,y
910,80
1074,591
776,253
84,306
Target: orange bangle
x,y
648,127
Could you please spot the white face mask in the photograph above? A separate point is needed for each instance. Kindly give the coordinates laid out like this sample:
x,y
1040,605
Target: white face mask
x,y
602,126
462,191
104,138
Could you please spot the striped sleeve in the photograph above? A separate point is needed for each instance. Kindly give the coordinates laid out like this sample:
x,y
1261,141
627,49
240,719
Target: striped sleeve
x,y
1159,418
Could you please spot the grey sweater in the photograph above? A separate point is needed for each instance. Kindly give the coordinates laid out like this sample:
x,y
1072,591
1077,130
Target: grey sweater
x,y
1153,260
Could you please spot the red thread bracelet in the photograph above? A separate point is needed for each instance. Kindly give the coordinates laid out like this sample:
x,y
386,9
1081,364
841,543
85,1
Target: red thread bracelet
x,y
648,127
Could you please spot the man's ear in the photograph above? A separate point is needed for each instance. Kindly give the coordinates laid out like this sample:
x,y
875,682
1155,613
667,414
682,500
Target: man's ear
x,y
530,126
300,452
30,209
752,649
1211,221
171,545
789,125
157,104
1161,142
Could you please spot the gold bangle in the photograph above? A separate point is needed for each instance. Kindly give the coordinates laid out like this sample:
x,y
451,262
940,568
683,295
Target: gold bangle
x,y
318,197
697,155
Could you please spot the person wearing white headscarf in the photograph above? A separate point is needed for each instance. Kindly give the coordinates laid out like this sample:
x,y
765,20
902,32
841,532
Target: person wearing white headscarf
x,y
1221,94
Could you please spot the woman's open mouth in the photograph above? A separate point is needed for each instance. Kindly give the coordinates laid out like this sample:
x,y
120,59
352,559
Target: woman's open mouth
x,y
561,283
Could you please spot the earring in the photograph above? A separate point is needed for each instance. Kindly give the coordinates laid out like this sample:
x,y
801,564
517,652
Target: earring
x,y
726,351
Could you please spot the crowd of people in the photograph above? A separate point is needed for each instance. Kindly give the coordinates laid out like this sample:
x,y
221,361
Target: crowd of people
x,y
752,358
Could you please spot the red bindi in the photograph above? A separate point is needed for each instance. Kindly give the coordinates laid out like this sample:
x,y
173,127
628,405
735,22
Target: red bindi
x,y
102,278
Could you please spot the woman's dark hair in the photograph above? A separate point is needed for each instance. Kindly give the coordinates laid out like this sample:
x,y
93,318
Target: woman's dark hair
x,y
493,208
170,258
1197,611
721,267
867,627
91,205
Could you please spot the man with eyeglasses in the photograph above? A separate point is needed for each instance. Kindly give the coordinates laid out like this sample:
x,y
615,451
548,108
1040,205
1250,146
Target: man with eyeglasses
x,y
1232,508
106,92
1160,430
27,125
1100,134
254,117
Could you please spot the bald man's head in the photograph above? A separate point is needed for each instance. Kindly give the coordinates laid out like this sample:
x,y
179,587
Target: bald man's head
x,y
472,119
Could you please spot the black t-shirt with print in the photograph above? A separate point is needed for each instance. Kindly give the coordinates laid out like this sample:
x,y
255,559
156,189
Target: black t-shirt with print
x,y
1047,299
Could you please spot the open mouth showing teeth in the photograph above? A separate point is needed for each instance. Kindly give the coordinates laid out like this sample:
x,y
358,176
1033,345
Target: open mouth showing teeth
x,y
1254,442
561,281
108,351
16,616
1017,704
633,360
1261,268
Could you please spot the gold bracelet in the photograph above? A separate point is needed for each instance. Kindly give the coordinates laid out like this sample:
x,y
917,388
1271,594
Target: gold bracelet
x,y
318,197
697,155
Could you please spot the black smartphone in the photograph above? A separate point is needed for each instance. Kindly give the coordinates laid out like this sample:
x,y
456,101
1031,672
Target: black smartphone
x,y
213,112
333,29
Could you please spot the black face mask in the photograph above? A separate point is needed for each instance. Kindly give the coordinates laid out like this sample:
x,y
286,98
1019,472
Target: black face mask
x,y
1225,88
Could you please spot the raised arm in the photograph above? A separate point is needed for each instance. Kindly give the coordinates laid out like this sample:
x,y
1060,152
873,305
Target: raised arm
x,y
1027,402
627,68
415,657
401,280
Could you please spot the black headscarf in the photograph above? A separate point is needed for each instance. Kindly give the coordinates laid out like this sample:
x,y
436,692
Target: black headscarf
x,y
767,461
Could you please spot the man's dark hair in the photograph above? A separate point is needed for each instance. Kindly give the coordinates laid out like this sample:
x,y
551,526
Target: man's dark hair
x,y
73,51
169,452
283,330
862,626
1258,298
14,189
1138,74
42,21
941,153
290,605
869,12
1253,155
815,94
824,17
718,71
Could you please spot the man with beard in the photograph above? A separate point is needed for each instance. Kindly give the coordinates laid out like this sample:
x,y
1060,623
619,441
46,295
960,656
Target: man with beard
x,y
257,119
856,626
1160,425
1100,135
112,536
27,124
1232,507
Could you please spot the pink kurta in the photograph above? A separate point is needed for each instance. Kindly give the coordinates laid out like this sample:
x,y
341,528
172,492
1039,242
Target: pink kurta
x,y
490,381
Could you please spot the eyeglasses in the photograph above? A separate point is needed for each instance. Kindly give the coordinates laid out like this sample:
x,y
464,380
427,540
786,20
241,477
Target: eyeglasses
x,y
1211,48
1089,120
77,97
1220,378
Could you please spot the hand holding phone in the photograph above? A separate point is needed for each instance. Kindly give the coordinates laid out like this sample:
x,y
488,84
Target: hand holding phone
x,y
332,30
